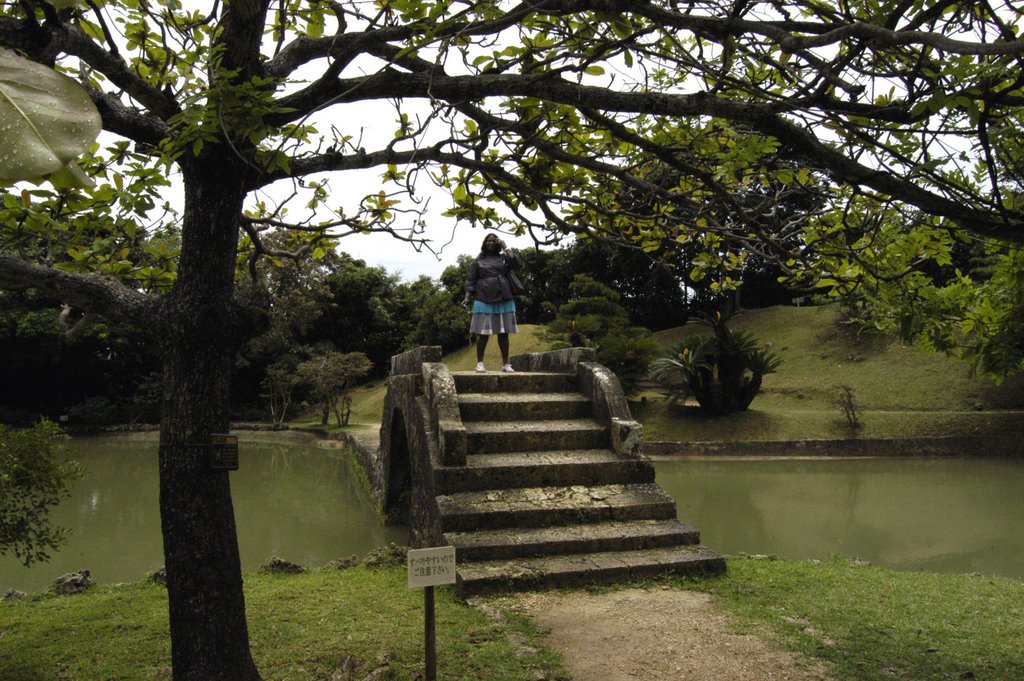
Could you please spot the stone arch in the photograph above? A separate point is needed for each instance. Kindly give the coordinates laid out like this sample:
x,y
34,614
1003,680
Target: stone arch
x,y
397,493
401,477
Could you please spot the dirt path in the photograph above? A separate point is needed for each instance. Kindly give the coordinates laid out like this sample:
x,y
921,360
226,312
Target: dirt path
x,y
656,635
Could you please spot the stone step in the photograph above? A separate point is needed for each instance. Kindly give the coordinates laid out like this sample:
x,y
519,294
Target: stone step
x,y
523,406
528,382
550,506
489,437
592,538
542,500
572,570
542,469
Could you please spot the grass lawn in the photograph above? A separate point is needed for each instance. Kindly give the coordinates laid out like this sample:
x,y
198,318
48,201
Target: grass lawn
x,y
865,622
300,627
871,623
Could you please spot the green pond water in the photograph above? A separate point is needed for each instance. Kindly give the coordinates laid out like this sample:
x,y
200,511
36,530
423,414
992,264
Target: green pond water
x,y
296,501
299,501
936,515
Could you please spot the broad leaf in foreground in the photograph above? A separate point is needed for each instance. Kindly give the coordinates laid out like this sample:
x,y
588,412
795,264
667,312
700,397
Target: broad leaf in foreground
x,y
46,119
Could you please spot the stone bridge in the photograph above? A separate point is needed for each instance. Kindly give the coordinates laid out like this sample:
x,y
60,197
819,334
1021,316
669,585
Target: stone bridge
x,y
536,477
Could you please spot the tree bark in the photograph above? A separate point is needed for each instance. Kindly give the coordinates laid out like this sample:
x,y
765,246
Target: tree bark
x,y
199,331
91,292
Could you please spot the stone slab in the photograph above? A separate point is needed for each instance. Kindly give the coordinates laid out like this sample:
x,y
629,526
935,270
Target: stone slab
x,y
505,436
482,577
533,382
547,506
542,469
594,537
526,406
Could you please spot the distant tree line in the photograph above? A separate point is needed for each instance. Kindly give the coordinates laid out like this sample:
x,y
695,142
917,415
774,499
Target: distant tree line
x,y
94,371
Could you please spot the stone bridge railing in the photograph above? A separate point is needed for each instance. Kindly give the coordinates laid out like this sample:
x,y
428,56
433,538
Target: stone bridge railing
x,y
421,428
597,382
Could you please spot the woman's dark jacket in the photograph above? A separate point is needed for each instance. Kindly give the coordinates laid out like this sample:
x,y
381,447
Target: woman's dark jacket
x,y
488,277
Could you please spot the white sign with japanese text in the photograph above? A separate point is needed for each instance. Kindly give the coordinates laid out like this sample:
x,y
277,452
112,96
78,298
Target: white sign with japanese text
x,y
431,567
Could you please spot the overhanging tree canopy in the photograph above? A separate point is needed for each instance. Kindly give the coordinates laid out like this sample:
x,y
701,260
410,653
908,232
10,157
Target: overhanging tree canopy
x,y
534,115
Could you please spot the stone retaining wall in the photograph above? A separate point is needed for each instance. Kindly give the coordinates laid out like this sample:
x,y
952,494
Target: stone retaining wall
x,y
153,427
965,445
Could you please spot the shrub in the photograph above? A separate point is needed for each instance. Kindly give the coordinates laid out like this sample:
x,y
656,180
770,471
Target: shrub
x,y
96,410
844,398
722,371
330,377
36,466
628,354
595,318
439,321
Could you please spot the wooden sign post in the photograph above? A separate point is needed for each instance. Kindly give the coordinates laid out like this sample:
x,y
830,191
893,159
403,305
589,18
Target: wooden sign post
x,y
427,569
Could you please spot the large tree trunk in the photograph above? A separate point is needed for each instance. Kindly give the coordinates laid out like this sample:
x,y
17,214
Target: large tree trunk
x,y
199,330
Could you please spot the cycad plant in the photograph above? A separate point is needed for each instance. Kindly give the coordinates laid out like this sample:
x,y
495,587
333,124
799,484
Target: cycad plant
x,y
722,371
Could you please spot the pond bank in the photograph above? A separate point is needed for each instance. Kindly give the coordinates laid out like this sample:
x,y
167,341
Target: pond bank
x,y
991,445
1002,445
994,446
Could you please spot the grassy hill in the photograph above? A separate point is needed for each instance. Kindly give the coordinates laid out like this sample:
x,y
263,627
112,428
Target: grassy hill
x,y
900,390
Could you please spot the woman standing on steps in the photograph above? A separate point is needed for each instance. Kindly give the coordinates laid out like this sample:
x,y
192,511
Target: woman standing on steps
x,y
494,306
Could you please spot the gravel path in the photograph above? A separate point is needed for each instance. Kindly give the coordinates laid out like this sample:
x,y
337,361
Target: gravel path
x,y
656,635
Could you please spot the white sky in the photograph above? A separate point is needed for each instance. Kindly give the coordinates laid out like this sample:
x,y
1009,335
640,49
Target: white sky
x,y
373,123
398,257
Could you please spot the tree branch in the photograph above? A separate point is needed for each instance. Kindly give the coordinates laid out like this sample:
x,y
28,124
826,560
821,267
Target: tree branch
x,y
127,122
812,33
73,41
89,292
800,143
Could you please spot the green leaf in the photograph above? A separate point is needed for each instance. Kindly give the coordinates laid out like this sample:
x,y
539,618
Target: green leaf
x,y
46,119
316,25
70,176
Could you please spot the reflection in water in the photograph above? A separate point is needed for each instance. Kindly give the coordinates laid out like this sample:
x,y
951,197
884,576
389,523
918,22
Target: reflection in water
x,y
298,502
939,515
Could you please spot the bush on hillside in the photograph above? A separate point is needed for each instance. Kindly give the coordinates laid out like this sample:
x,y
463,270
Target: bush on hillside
x,y
439,320
722,371
330,377
595,318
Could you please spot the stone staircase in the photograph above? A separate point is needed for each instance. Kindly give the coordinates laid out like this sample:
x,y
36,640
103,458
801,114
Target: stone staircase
x,y
543,499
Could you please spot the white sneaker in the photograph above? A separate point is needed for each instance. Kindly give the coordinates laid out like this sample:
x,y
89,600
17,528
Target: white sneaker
x,y
480,367
508,369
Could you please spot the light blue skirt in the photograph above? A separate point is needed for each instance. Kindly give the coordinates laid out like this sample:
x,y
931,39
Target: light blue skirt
x,y
492,318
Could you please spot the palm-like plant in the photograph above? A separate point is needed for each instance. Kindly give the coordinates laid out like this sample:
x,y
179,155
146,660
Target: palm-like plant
x,y
723,371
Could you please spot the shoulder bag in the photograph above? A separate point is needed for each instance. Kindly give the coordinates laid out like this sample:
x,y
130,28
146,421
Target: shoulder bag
x,y
514,282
